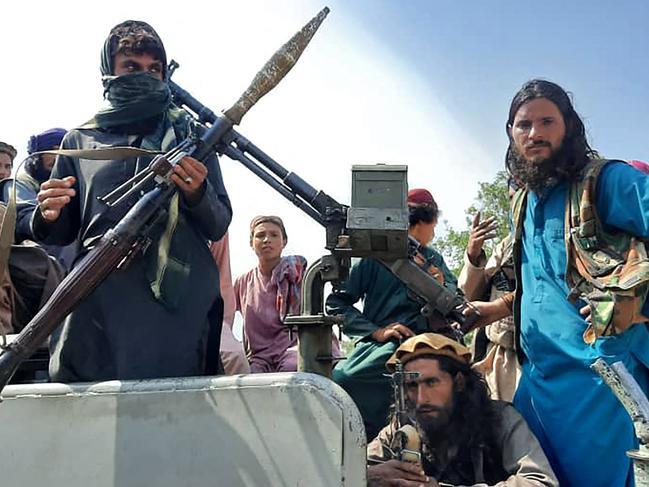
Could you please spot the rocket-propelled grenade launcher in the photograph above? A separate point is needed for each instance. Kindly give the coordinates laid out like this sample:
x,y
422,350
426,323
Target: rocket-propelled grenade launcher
x,y
376,224
129,236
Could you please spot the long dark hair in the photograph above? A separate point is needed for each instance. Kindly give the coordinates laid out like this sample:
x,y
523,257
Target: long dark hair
x,y
475,420
575,149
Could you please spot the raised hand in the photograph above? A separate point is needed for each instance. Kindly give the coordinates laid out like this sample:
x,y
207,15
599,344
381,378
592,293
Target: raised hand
x,y
480,233
53,196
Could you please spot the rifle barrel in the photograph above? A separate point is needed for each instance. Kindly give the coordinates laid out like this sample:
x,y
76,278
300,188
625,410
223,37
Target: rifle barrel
x,y
118,242
84,278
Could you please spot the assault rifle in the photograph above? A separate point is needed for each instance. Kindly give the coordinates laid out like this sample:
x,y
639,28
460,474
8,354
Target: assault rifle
x,y
406,443
129,236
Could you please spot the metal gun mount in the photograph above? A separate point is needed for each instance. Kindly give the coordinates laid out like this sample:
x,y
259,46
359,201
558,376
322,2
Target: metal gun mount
x,y
376,225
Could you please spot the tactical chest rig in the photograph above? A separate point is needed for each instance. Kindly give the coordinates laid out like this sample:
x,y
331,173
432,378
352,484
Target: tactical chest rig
x,y
606,268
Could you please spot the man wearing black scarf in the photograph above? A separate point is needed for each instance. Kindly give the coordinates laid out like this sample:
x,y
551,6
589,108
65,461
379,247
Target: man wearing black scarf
x,y
161,315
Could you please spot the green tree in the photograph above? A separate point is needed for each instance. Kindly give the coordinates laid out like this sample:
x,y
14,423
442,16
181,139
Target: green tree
x,y
492,200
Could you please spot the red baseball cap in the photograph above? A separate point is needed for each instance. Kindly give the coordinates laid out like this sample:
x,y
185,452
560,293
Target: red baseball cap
x,y
420,196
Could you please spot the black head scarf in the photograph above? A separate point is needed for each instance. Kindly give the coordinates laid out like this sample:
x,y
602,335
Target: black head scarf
x,y
133,97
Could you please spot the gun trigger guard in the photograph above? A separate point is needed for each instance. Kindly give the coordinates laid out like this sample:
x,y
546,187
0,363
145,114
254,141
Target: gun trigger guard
x,y
161,167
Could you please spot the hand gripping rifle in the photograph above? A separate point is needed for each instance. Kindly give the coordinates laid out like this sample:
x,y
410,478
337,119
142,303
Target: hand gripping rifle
x,y
127,238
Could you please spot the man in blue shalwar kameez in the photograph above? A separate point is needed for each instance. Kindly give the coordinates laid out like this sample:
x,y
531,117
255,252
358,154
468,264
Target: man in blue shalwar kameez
x,y
582,427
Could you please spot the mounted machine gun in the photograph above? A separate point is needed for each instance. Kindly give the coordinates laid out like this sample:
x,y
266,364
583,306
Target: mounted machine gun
x,y
375,225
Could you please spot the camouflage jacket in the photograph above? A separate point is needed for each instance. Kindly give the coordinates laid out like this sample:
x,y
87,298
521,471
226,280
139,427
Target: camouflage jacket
x,y
607,268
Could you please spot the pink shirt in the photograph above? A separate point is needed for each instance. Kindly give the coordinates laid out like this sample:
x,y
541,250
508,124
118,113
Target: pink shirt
x,y
265,337
221,253
232,354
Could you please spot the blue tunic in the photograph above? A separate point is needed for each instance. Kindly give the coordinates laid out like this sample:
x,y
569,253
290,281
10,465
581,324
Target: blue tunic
x,y
582,427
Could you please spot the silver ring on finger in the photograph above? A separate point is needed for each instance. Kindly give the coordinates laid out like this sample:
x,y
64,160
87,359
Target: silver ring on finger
x,y
189,180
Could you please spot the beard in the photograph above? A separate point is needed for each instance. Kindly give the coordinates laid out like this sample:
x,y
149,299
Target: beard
x,y
539,173
434,427
35,168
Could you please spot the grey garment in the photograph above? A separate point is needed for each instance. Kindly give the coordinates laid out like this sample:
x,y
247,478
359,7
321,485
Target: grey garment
x,y
493,350
121,331
26,193
26,201
523,459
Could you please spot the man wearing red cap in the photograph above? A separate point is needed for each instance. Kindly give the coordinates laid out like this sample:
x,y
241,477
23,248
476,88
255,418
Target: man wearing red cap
x,y
389,315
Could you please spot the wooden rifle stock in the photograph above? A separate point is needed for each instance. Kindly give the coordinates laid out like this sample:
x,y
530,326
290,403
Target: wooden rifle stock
x,y
116,245
124,238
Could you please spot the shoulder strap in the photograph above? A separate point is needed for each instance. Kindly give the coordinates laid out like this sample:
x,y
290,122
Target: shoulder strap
x,y
581,209
609,269
519,203
102,153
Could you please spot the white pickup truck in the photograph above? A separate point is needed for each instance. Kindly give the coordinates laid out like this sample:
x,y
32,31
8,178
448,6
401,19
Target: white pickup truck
x,y
290,429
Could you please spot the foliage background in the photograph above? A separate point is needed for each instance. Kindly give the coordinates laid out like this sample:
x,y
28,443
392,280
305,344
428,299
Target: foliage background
x,y
492,200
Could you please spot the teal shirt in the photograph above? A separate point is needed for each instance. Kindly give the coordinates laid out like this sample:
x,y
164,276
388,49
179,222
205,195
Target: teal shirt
x,y
583,429
385,299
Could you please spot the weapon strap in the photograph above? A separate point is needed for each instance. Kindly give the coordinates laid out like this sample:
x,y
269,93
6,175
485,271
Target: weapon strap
x,y
101,153
8,225
163,248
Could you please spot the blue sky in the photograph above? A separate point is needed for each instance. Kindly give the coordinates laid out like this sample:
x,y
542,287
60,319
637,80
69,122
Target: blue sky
x,y
422,83
476,54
